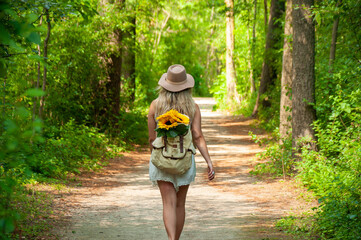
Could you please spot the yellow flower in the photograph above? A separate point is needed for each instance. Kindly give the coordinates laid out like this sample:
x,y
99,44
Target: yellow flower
x,y
167,125
171,119
183,118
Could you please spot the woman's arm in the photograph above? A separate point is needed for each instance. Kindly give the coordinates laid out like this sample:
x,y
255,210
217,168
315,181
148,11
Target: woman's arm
x,y
151,125
201,142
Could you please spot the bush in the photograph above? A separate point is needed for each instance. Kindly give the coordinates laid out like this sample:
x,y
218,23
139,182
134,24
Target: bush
x,y
69,149
277,156
334,173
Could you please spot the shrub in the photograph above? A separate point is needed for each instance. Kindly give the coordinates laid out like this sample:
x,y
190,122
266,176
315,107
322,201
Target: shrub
x,y
278,156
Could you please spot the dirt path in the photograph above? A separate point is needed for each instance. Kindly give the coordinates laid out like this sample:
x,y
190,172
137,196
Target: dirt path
x,y
120,202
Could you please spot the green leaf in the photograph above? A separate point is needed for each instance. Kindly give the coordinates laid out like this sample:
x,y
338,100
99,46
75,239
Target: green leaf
x,y
36,57
34,37
160,134
172,133
181,129
34,92
8,225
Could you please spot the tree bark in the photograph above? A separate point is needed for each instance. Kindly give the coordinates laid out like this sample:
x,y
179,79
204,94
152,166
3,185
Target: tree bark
x,y
36,99
46,41
265,15
114,73
269,74
333,43
232,94
303,73
251,48
286,80
128,64
209,51
114,70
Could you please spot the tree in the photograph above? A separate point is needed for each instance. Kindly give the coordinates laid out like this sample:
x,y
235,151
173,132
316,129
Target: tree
x,y
232,93
252,44
334,39
128,61
303,73
286,79
269,71
46,42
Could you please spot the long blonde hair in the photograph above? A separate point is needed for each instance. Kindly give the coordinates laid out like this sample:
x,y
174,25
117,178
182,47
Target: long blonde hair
x,y
181,101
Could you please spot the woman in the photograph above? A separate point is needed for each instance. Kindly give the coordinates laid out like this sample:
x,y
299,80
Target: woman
x,y
175,93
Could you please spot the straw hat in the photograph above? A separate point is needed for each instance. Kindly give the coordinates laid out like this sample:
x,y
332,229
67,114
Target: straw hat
x,y
176,79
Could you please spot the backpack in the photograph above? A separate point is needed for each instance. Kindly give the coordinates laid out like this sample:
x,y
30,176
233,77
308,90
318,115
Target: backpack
x,y
173,154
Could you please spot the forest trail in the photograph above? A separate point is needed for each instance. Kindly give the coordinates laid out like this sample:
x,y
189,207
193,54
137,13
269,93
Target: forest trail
x,y
120,202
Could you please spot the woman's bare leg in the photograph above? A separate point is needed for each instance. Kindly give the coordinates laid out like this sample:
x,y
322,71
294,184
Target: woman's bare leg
x,y
181,201
169,198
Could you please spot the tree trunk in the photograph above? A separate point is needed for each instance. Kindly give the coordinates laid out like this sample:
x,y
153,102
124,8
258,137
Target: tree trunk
x,y
251,43
286,80
253,85
114,71
303,73
209,51
128,64
333,43
232,93
265,15
46,41
269,74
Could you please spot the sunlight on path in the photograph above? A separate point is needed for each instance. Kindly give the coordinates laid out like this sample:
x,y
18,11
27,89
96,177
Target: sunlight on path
x,y
134,210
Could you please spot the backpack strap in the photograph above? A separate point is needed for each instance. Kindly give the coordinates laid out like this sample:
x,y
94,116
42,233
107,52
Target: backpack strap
x,y
181,143
165,142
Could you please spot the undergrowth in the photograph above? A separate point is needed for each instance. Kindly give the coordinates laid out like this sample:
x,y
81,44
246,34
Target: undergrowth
x,y
31,151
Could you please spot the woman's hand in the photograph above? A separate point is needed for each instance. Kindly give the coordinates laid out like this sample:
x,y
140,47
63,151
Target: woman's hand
x,y
211,173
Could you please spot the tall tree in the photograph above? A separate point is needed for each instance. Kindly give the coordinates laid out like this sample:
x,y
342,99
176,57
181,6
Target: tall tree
x,y
334,40
114,67
252,43
286,79
274,33
265,14
46,42
232,93
303,72
128,62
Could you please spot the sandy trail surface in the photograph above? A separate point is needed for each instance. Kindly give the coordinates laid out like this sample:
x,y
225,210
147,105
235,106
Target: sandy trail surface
x,y
120,202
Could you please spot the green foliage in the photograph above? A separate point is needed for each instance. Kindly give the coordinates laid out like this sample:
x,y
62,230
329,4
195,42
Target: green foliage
x,y
333,173
35,209
179,130
18,134
277,156
134,129
69,149
301,226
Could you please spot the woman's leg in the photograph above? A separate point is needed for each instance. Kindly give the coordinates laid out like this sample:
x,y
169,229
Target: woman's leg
x,y
169,198
181,201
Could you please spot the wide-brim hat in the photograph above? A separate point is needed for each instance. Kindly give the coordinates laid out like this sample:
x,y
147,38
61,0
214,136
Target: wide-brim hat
x,y
176,79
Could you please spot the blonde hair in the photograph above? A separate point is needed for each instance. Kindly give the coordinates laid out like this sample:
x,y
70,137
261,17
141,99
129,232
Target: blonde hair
x,y
181,101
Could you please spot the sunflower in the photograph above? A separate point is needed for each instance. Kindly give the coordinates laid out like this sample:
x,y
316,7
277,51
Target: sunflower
x,y
167,124
183,118
171,119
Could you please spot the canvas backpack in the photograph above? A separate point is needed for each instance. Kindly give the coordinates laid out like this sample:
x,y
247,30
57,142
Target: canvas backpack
x,y
173,155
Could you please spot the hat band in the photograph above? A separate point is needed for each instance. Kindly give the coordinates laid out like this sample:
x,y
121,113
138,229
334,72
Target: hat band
x,y
176,83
